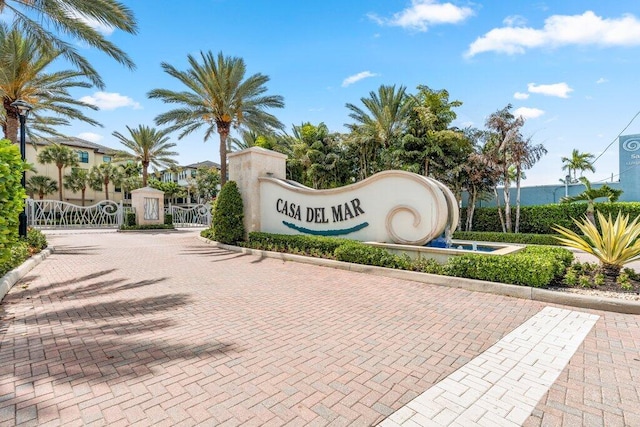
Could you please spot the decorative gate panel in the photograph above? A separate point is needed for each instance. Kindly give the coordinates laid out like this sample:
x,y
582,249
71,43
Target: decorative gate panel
x,y
191,216
56,214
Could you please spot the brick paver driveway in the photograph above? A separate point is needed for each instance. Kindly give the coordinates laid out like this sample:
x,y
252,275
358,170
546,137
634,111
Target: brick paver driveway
x,y
162,329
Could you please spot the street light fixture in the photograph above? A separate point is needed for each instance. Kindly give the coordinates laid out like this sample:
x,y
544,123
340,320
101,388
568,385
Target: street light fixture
x,y
23,112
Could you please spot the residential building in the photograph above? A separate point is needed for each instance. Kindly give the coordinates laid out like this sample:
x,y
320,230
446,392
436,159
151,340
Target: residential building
x,y
89,154
184,176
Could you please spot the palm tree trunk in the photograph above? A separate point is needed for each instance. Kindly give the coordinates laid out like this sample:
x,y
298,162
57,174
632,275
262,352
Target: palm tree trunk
x,y
471,207
106,189
82,192
10,126
517,226
145,174
223,130
60,182
507,207
495,191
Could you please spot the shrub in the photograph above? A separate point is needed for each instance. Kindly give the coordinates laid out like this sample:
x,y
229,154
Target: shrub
x,y
11,197
130,219
168,219
16,255
323,246
533,266
207,234
36,240
522,238
359,253
228,215
426,265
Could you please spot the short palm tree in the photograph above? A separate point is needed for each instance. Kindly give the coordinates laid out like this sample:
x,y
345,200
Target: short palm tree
x,y
590,195
77,180
102,175
218,97
23,76
77,19
148,146
41,185
61,156
616,245
578,162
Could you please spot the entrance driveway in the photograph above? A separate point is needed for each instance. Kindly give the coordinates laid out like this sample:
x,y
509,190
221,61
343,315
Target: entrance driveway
x,y
163,329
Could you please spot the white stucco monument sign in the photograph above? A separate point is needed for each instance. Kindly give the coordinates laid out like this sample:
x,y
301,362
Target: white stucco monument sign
x,y
390,206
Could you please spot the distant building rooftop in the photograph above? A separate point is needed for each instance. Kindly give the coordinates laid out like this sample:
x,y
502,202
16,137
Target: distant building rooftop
x,y
205,164
75,142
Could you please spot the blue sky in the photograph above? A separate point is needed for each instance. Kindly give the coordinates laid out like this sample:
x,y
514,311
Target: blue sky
x,y
569,66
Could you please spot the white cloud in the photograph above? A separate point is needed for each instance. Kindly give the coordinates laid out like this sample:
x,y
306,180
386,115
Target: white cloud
x,y
561,90
528,113
561,30
93,23
520,95
110,101
601,80
357,77
90,136
424,13
514,21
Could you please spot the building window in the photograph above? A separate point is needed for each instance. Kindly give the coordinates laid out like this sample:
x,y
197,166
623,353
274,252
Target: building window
x,y
106,159
118,190
83,156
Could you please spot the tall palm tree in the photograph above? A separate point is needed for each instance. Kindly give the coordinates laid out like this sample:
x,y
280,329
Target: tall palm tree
x,y
578,162
61,156
42,185
218,97
77,180
505,137
524,155
76,19
148,146
102,175
23,76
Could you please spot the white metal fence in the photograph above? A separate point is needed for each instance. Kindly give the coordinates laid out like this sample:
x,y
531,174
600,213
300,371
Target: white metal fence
x,y
191,215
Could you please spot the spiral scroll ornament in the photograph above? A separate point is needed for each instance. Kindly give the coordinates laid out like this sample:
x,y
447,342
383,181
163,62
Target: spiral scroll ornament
x,y
417,219
631,145
107,207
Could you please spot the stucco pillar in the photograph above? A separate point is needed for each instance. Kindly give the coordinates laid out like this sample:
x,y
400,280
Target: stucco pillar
x,y
245,167
149,205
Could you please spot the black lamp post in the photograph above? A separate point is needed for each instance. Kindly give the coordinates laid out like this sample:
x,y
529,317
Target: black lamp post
x,y
23,112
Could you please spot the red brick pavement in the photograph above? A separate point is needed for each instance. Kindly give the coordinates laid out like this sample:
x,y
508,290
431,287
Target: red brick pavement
x,y
162,329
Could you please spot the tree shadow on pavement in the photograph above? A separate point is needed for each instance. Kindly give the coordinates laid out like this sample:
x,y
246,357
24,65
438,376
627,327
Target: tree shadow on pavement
x,y
75,250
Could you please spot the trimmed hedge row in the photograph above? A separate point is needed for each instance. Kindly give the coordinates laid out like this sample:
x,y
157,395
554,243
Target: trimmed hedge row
x,y
537,266
541,219
12,197
533,266
522,238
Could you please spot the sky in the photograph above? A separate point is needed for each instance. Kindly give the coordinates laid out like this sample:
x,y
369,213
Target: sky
x,y
569,67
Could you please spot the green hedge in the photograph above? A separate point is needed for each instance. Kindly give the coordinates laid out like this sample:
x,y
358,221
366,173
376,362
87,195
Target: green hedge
x,y
36,240
359,253
12,197
168,219
537,266
522,238
541,219
308,245
130,219
533,266
16,255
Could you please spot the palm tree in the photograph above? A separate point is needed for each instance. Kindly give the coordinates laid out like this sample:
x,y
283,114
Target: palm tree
x,y
77,19
101,175
379,124
23,76
42,185
590,195
77,180
505,137
524,155
218,97
61,156
149,146
578,162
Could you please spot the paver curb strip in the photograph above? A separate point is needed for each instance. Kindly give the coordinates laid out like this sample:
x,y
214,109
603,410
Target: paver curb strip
x,y
12,277
524,292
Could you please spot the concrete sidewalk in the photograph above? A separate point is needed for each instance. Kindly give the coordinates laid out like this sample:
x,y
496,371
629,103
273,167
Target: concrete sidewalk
x,y
162,329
